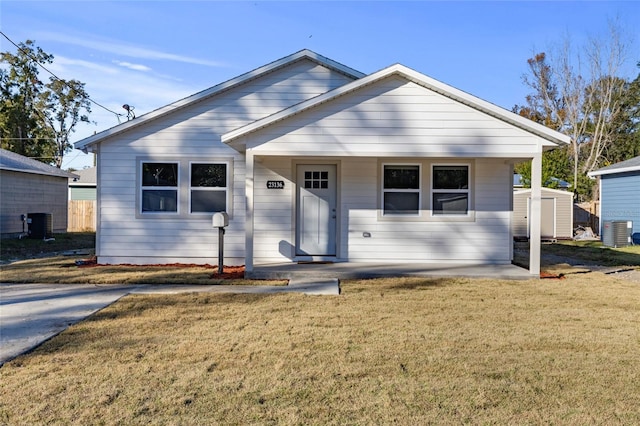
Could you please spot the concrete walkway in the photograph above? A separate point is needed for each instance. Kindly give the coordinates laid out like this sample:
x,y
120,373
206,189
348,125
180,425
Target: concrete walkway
x,y
355,270
33,313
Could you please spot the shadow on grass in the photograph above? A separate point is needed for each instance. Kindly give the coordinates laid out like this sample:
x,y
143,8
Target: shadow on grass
x,y
402,283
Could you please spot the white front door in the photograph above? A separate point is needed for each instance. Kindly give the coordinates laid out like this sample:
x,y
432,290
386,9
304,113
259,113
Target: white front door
x,y
316,215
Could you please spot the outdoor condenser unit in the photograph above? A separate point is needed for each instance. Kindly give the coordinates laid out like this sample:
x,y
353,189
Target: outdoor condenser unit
x,y
617,233
40,225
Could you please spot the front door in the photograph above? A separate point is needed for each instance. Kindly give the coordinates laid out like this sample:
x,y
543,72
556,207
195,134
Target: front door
x,y
316,215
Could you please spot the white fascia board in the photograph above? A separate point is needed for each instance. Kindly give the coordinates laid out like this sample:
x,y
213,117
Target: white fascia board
x,y
613,171
553,137
302,54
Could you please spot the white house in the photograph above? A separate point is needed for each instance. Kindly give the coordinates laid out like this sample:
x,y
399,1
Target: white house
x,y
313,160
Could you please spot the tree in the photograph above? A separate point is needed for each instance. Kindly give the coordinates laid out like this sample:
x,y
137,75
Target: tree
x,y
627,127
555,166
584,104
37,119
21,127
61,105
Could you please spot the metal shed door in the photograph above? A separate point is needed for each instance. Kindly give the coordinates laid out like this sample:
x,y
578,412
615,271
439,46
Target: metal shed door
x,y
547,217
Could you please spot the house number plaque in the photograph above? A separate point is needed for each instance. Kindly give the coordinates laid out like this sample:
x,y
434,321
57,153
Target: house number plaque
x,y
275,184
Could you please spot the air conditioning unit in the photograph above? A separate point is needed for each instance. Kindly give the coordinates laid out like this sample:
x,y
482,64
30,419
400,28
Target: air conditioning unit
x,y
617,233
40,225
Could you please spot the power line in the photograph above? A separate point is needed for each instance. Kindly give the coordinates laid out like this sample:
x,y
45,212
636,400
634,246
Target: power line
x,y
118,115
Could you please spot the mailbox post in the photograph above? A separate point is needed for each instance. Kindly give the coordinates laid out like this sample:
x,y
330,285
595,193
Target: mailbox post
x,y
220,220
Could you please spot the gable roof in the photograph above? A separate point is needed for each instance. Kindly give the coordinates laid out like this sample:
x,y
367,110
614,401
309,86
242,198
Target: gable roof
x,y
212,91
19,163
555,138
631,165
85,177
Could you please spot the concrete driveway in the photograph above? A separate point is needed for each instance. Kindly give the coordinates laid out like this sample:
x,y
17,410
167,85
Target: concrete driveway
x,y
33,313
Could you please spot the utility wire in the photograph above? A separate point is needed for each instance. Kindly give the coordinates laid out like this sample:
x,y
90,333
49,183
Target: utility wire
x,y
118,115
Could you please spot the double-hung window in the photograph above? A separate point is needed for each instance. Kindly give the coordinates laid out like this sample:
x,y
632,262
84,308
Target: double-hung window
x,y
209,187
159,187
401,190
450,190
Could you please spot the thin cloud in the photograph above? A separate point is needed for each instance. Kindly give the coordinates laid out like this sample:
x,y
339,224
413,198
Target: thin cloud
x,y
115,85
125,49
135,67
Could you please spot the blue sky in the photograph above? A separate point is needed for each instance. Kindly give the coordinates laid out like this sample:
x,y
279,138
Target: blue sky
x,y
151,53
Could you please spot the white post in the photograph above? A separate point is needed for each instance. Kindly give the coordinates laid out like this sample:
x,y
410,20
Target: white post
x,y
248,240
535,215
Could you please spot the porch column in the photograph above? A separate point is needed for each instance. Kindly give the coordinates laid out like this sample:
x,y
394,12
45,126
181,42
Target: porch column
x,y
248,226
535,215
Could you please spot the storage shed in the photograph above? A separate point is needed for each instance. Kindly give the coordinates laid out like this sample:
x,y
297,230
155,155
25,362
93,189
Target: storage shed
x,y
557,213
620,193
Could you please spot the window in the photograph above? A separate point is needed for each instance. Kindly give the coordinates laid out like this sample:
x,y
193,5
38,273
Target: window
x,y
401,190
450,190
316,180
160,187
208,187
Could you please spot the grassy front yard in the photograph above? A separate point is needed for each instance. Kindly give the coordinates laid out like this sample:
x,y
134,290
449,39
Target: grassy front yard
x,y
403,351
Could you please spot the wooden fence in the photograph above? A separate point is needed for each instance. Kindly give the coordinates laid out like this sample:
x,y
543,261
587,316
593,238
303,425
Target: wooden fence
x,y
586,214
82,216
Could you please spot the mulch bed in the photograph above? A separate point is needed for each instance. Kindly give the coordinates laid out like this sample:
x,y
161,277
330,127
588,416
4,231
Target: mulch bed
x,y
229,272
551,275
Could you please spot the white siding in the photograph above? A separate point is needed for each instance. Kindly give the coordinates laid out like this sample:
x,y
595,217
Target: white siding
x,y
188,134
484,238
394,117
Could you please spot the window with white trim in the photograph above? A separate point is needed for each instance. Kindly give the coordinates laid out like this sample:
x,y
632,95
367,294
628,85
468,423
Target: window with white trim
x,y
159,187
208,187
401,190
450,190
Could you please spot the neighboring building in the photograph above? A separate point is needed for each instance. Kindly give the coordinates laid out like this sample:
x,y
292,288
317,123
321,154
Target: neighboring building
x,y
620,193
314,161
83,187
557,214
82,201
31,188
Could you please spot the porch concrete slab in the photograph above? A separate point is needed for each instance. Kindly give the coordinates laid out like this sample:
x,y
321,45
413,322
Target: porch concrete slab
x,y
354,270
